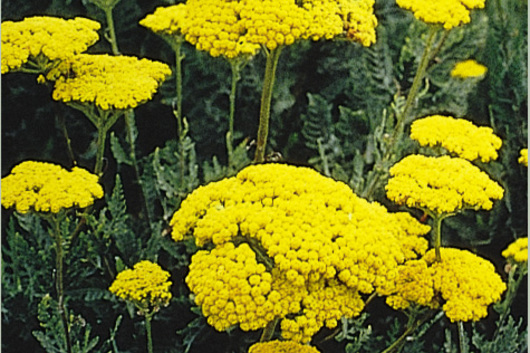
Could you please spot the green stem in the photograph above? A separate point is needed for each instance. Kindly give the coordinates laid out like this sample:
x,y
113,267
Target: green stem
x,y
148,332
102,137
67,138
462,338
416,83
236,70
265,107
176,44
437,220
412,325
59,281
112,31
268,331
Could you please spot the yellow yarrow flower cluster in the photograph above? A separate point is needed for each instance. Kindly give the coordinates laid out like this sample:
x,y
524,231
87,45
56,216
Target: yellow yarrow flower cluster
x,y
517,251
315,236
147,285
468,68
44,39
441,184
458,136
232,28
46,187
523,159
109,82
466,283
449,13
281,347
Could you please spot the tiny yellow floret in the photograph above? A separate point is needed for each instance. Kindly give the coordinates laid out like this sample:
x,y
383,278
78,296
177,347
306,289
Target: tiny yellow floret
x,y
147,285
458,136
468,68
517,251
523,159
46,187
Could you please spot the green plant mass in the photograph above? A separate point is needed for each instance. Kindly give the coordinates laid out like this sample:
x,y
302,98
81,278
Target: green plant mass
x,y
264,176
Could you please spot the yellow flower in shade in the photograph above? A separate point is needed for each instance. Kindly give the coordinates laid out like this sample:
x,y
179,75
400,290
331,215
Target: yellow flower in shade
x,y
232,28
468,68
147,285
311,245
109,82
281,347
441,184
517,251
39,41
463,283
458,136
449,13
523,159
46,187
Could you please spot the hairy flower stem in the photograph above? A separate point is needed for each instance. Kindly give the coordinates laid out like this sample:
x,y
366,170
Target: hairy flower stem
x,y
112,31
148,318
416,83
265,107
176,45
59,282
235,66
412,325
462,337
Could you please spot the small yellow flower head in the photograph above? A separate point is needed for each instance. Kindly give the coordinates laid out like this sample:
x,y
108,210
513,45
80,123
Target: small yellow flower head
x,y
468,68
281,347
441,184
523,159
45,39
359,20
110,82
449,13
167,20
46,187
466,283
147,285
458,136
321,245
517,251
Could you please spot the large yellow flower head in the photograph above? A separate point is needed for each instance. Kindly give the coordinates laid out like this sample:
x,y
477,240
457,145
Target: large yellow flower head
x,y
46,187
468,68
523,158
449,13
313,248
463,283
147,285
458,136
38,41
281,347
441,184
232,28
517,251
109,82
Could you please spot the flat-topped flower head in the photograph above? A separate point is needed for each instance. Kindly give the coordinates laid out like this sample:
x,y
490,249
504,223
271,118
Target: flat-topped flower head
x,y
523,159
316,240
233,28
458,136
441,184
146,285
109,82
46,187
35,42
281,347
466,284
449,13
517,251
468,68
